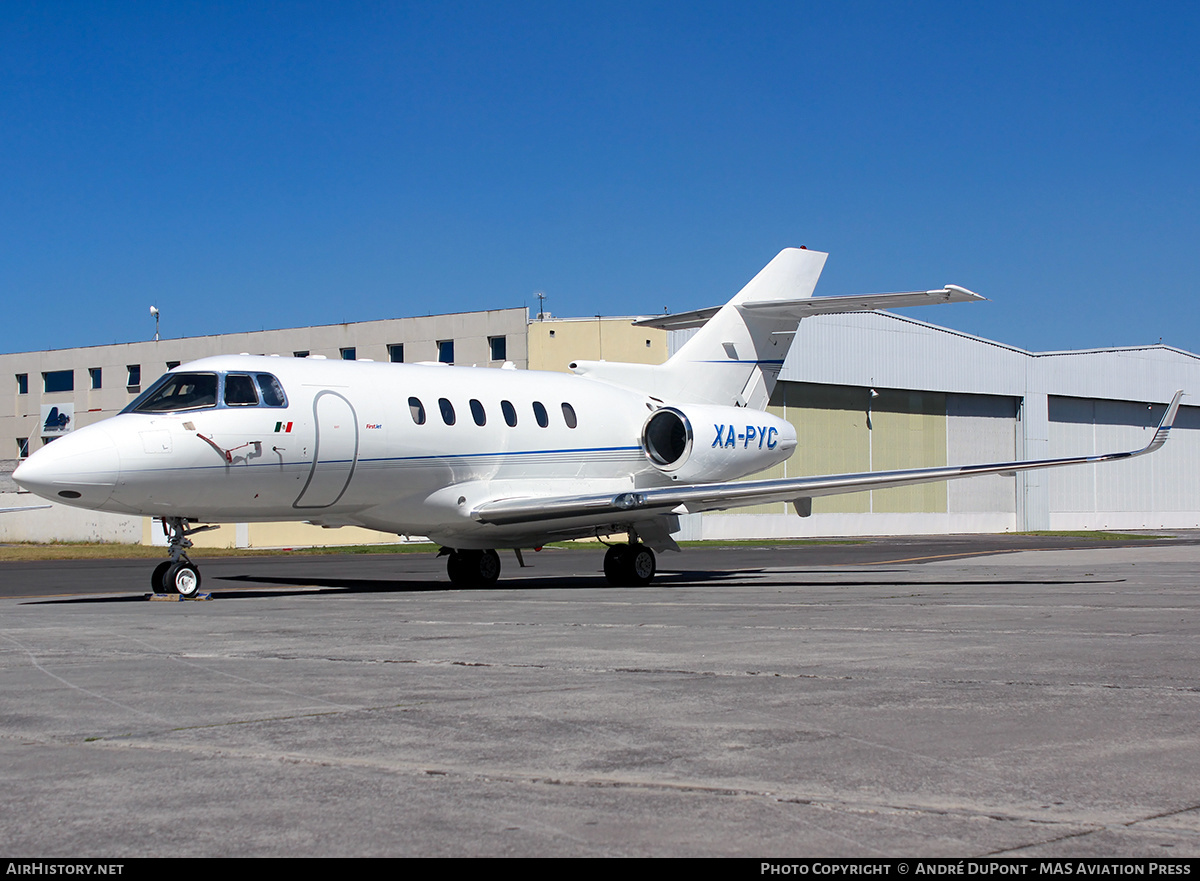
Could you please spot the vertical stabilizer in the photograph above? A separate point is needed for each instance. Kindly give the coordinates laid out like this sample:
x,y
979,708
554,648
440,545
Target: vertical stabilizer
x,y
735,358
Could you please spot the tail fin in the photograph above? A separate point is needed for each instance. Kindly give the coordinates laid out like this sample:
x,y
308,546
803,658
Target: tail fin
x,y
736,356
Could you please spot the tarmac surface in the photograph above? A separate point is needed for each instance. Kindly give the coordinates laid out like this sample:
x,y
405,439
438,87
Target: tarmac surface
x,y
962,696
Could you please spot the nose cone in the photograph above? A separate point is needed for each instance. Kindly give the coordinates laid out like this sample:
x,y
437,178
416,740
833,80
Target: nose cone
x,y
80,468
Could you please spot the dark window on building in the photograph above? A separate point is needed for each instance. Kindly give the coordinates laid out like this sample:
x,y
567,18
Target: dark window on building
x,y
569,415
539,413
477,412
498,346
58,381
349,353
446,351
510,413
303,353
447,411
272,391
22,448
171,365
240,391
22,383
46,441
96,377
396,353
134,379
417,409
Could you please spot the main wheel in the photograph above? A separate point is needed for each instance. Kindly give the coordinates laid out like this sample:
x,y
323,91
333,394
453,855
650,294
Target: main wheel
x,y
614,564
184,577
158,580
641,565
473,568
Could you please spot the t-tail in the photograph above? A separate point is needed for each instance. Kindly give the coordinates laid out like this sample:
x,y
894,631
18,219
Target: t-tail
x,y
734,359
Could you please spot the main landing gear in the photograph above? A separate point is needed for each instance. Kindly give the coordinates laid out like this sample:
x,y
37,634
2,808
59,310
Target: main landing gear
x,y
629,565
178,574
472,568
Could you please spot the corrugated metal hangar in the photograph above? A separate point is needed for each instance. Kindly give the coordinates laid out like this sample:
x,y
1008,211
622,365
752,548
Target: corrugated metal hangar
x,y
876,390
866,391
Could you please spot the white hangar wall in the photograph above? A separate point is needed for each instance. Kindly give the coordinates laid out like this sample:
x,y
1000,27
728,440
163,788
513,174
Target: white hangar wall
x,y
949,398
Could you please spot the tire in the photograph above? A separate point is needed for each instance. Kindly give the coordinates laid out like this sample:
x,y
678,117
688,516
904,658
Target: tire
x,y
473,568
641,565
158,580
184,578
614,565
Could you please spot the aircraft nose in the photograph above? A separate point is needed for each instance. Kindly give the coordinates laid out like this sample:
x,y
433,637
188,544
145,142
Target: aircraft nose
x,y
80,468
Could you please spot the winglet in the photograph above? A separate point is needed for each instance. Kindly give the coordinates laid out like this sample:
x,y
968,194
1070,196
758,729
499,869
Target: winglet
x,y
1164,427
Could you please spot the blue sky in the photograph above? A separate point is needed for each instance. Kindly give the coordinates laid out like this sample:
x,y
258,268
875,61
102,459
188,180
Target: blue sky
x,y
246,166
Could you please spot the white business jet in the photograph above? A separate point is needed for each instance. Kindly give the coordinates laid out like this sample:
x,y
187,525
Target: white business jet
x,y
480,459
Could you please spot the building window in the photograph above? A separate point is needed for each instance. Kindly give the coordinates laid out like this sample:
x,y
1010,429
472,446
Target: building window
x,y
95,377
58,381
22,383
46,441
539,413
396,353
447,411
349,353
133,381
446,351
498,346
301,354
22,448
171,365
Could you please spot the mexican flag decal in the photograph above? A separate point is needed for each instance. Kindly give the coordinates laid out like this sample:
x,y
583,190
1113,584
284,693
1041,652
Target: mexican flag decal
x,y
283,427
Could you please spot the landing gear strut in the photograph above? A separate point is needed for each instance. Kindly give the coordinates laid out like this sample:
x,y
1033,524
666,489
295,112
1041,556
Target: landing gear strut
x,y
629,565
178,574
473,568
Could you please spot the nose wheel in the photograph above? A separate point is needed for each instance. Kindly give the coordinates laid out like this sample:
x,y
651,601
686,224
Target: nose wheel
x,y
178,574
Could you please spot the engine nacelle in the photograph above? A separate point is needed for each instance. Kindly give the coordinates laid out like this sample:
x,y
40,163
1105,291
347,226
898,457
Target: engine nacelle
x,y
702,444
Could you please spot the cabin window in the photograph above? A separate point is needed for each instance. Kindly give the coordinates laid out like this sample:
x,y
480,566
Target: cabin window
x,y
58,381
272,391
569,415
240,391
510,413
477,412
539,413
447,411
417,409
178,391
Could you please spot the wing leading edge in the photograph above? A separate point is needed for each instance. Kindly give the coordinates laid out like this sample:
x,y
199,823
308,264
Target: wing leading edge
x,y
697,498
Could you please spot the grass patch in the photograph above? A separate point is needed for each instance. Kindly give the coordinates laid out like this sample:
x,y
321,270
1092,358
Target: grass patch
x,y
1094,536
27,551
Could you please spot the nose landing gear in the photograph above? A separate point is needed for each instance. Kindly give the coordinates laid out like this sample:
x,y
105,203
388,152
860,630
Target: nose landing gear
x,y
178,574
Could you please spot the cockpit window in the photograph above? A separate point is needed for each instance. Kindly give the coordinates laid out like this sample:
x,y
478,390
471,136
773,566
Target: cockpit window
x,y
178,391
272,391
240,391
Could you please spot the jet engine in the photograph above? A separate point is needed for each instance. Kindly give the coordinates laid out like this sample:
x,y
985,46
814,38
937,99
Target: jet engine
x,y
703,444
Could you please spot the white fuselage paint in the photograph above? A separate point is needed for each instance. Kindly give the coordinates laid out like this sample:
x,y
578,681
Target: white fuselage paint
x,y
346,450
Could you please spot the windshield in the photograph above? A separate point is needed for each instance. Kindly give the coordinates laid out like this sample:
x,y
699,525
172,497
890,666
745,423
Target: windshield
x,y
178,391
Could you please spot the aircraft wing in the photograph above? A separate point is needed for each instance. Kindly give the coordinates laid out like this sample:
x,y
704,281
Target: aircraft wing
x,y
695,498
